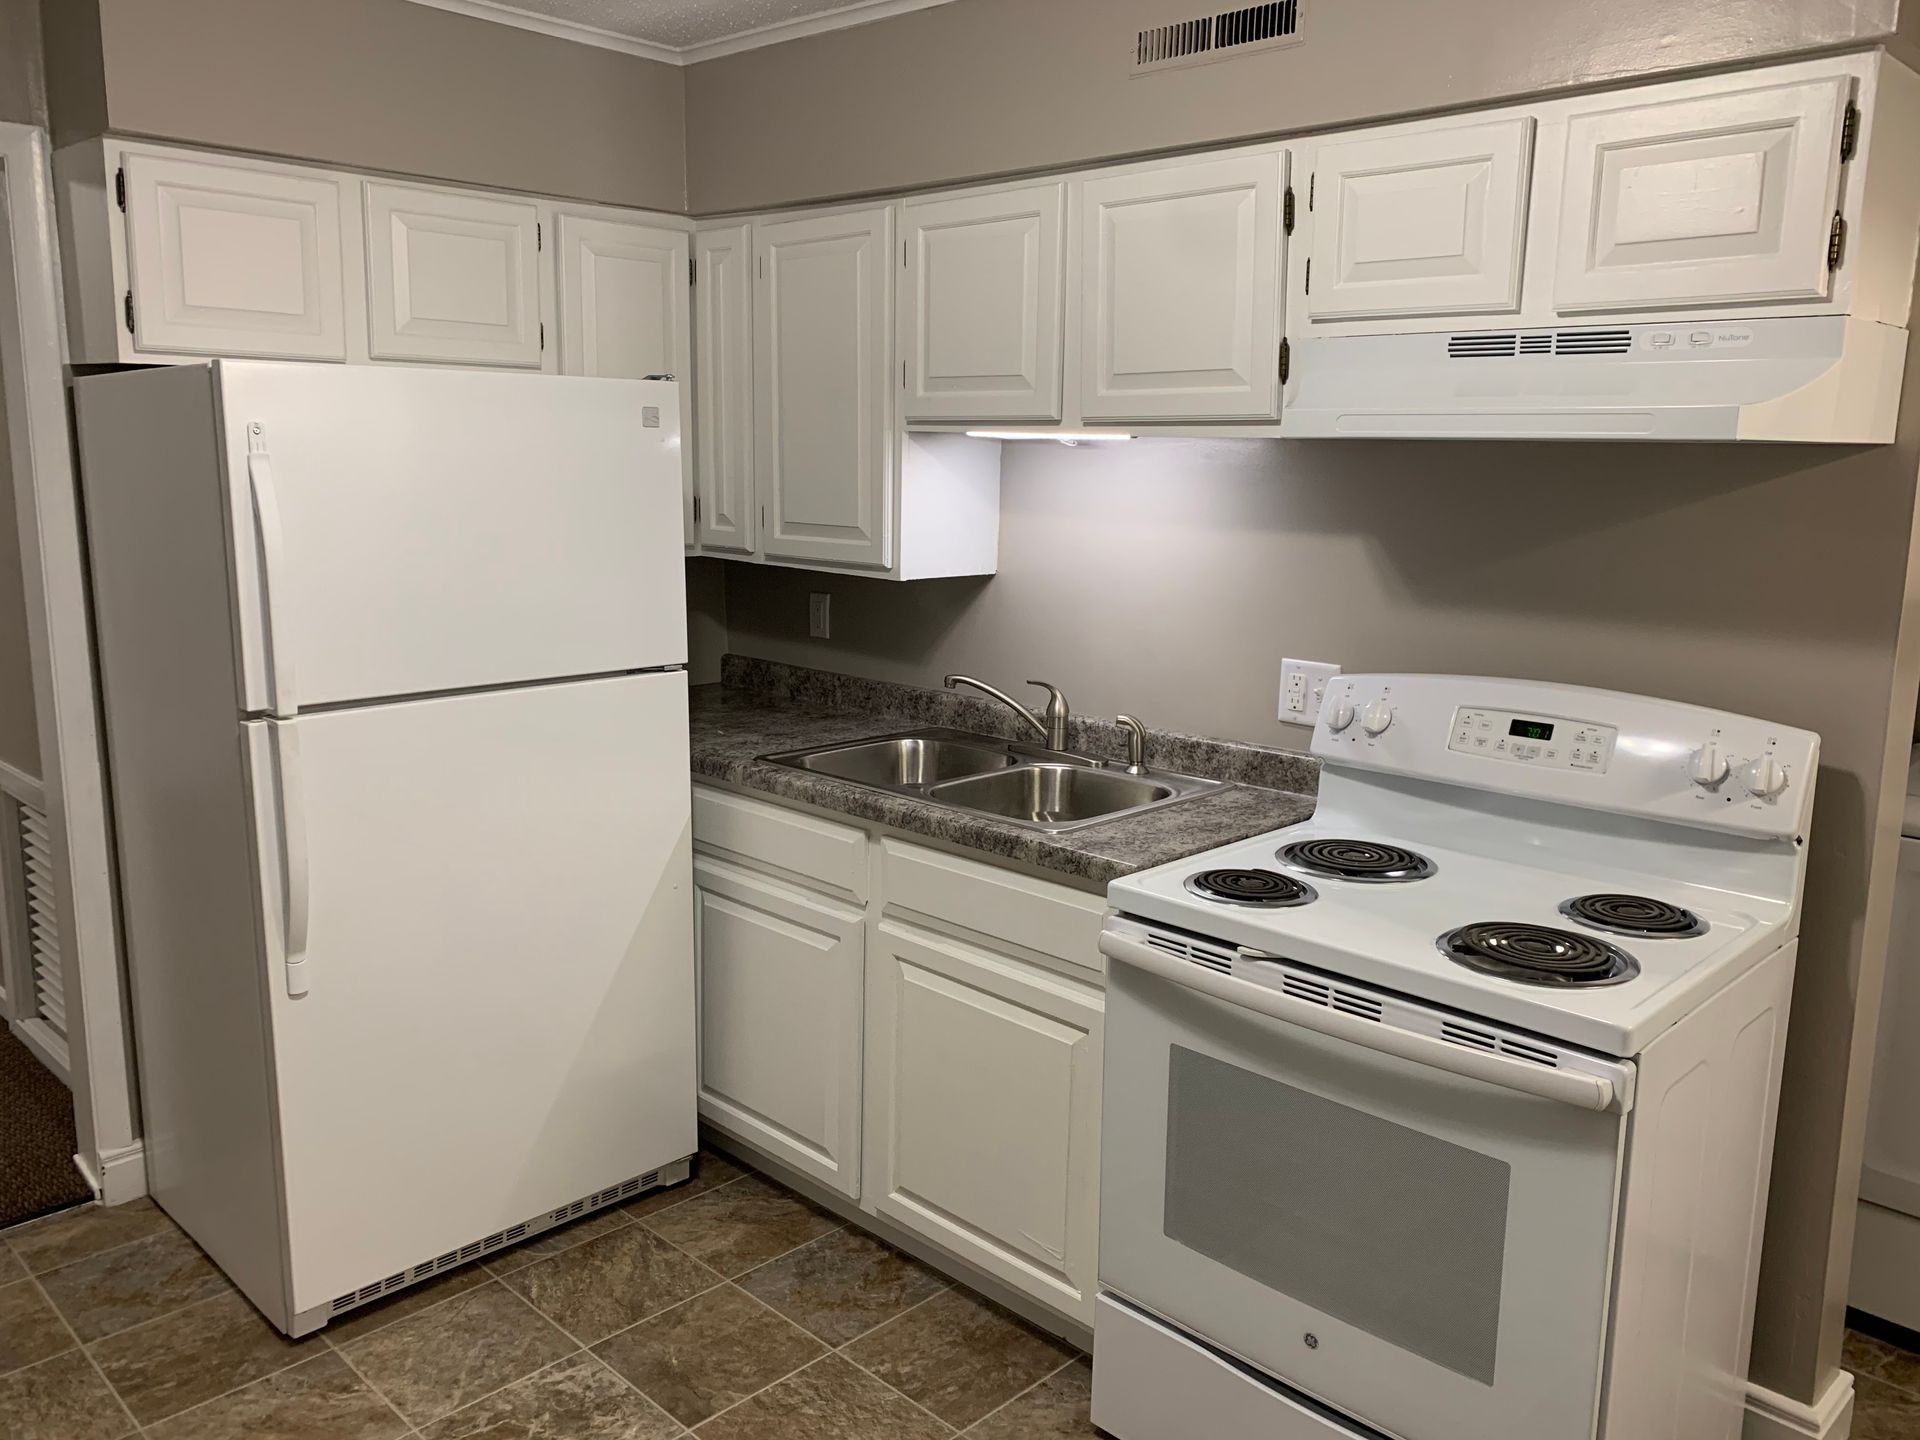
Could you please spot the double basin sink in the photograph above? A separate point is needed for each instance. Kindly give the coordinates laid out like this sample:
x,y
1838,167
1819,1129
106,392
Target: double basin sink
x,y
1045,789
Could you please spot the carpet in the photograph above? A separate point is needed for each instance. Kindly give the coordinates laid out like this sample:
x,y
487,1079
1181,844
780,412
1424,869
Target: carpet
x,y
37,1174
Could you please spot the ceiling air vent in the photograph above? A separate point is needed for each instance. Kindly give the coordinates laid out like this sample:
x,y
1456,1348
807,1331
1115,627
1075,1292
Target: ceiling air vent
x,y
1215,37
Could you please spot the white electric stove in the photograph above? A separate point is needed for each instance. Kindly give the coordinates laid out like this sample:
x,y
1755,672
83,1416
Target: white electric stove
x,y
1448,1113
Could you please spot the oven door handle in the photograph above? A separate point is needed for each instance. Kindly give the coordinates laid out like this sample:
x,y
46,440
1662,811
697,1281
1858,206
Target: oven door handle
x,y
1584,1092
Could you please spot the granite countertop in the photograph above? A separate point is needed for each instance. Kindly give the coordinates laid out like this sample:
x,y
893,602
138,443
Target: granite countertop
x,y
761,708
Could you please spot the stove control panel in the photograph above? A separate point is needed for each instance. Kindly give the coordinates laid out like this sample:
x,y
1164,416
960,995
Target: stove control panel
x,y
1549,741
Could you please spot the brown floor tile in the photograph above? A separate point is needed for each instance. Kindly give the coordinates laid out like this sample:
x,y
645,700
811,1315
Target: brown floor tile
x,y
959,1356
710,1172
75,1234
742,1225
829,1400
610,1283
1883,1412
402,1303
1864,1355
118,1289
191,1356
29,1330
318,1399
441,1359
696,1359
561,1237
842,1285
577,1399
61,1399
12,1268
1055,1409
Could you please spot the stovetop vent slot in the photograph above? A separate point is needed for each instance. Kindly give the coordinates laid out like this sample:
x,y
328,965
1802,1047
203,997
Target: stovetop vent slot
x,y
1191,950
1475,1038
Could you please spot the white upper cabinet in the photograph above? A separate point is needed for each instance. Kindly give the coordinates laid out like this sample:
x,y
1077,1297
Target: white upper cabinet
x,y
980,315
1181,291
227,258
823,458
723,394
1722,199
1421,222
452,278
623,299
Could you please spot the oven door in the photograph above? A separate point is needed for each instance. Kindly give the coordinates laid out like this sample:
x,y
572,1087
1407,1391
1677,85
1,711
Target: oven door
x,y
1415,1233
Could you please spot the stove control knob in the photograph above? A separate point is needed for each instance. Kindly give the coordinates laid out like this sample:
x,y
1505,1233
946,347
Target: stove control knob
x,y
1376,717
1765,777
1708,767
1340,716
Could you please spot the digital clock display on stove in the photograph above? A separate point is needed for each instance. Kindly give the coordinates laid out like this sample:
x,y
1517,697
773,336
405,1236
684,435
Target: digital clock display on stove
x,y
1530,730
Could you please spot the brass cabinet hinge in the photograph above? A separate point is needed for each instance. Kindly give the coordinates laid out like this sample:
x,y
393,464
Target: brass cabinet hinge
x,y
1286,359
1836,241
1286,211
1849,132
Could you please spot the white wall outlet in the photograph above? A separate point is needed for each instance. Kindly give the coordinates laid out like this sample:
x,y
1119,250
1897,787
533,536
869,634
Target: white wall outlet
x,y
1303,687
820,616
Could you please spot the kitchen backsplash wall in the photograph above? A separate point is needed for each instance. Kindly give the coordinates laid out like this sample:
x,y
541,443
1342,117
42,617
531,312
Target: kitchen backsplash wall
x,y
706,620
1169,578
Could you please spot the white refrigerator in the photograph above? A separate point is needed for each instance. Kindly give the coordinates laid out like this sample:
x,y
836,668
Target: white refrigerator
x,y
393,676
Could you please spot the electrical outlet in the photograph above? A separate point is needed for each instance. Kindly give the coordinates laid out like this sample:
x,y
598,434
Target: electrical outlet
x,y
1303,689
820,616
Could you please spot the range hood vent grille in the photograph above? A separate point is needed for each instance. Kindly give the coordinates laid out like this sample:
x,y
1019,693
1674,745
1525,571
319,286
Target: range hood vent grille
x,y
1189,42
1498,344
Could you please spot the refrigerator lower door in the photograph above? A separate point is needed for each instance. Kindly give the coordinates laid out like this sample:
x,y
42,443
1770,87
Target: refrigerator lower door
x,y
402,532
478,927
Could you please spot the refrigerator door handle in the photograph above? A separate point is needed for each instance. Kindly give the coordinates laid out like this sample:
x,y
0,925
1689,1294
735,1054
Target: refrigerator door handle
x,y
266,510
293,831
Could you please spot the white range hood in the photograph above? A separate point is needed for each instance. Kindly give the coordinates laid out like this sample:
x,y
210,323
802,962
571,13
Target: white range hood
x,y
1827,379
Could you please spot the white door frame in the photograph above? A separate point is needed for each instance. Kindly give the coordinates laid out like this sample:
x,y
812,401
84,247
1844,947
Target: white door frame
x,y
33,355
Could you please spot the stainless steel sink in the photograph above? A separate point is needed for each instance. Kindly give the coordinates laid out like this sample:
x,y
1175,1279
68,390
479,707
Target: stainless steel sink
x,y
1053,795
1024,784
902,761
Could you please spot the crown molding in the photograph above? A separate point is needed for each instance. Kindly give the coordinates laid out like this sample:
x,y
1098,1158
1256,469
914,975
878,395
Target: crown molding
x,y
502,13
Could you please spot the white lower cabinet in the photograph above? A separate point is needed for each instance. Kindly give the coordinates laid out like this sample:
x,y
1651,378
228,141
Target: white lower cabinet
x,y
780,1019
983,1110
916,1030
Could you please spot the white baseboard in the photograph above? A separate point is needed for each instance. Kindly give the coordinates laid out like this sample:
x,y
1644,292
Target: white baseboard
x,y
116,1176
1772,1416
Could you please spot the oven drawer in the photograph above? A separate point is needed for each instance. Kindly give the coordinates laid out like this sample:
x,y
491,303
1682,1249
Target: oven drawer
x,y
1150,1382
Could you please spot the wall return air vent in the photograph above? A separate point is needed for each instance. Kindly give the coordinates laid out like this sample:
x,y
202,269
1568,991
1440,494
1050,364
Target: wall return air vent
x,y
1218,36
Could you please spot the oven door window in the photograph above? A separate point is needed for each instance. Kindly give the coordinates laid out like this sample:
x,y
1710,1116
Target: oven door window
x,y
1395,1231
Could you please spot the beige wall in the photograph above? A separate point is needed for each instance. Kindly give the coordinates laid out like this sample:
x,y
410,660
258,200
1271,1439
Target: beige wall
x,y
1169,578
388,85
983,87
706,620
22,95
19,734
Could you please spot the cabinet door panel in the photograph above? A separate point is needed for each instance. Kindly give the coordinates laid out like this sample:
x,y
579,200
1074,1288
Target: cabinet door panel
x,y
984,1110
1421,223
1708,201
230,259
723,396
823,386
1181,269
780,1019
452,278
981,317
623,299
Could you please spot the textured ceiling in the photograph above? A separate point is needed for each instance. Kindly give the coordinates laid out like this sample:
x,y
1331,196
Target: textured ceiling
x,y
677,23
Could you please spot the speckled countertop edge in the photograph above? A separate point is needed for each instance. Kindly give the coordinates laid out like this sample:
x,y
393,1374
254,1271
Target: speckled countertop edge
x,y
761,708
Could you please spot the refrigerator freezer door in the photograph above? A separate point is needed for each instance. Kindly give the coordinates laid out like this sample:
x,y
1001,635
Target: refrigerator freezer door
x,y
410,532
497,1016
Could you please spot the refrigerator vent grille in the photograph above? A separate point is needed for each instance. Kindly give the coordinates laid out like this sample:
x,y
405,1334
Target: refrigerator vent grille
x,y
499,1240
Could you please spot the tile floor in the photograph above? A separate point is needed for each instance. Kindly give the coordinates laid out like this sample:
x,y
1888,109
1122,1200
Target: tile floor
x,y
1886,1389
727,1307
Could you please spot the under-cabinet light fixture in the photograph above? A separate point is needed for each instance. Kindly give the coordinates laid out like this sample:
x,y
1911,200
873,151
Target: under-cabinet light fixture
x,y
1062,437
